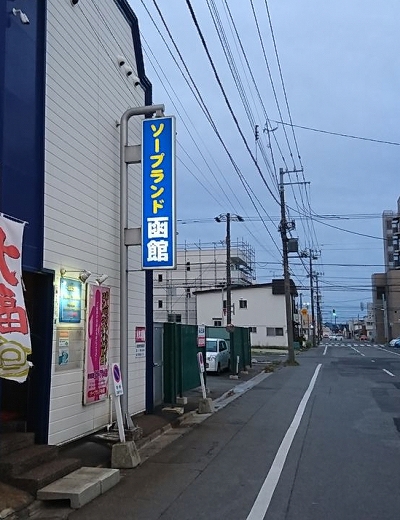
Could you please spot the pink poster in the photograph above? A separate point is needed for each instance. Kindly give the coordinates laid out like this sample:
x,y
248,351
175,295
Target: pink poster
x,y
97,338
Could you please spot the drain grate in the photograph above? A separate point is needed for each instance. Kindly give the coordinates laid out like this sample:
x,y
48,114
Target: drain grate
x,y
396,421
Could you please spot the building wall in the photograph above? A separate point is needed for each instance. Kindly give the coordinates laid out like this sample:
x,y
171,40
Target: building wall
x,y
259,309
86,94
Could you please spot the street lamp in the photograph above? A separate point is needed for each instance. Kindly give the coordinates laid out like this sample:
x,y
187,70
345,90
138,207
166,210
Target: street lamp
x,y
228,218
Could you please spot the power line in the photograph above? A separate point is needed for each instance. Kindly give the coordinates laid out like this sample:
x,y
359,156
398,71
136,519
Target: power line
x,y
393,143
205,46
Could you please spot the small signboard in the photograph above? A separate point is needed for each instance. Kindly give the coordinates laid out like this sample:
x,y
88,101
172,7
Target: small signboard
x,y
70,305
201,336
140,335
116,374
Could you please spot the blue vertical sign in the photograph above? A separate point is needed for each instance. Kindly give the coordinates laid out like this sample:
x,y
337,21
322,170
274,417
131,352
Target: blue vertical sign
x,y
158,194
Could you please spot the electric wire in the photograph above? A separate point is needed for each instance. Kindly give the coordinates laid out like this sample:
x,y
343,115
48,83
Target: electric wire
x,y
234,117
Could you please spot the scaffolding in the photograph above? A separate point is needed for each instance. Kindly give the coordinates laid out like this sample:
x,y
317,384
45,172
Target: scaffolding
x,y
200,265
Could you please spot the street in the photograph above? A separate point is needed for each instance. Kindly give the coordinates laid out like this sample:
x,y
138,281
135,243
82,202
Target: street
x,y
320,440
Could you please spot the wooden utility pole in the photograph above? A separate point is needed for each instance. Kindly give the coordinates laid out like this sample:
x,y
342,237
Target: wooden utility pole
x,y
283,227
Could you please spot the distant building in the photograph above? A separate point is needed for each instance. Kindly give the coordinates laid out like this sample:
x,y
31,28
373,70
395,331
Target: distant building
x,y
261,307
199,266
391,235
385,286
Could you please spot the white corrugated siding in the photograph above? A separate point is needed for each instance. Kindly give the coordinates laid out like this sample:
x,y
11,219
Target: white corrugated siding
x,y
86,93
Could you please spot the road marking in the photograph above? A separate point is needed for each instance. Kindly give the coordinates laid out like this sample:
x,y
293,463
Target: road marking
x,y
266,492
325,350
387,371
386,350
372,360
361,354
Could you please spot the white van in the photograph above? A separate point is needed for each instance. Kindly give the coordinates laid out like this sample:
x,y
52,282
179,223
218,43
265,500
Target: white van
x,y
218,356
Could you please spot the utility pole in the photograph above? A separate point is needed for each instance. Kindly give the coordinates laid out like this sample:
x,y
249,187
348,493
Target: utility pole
x,y
319,317
300,313
228,218
283,228
312,302
312,255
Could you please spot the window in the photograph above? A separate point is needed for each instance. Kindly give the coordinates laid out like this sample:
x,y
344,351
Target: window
x,y
174,318
253,329
380,292
242,304
217,323
222,346
188,292
160,277
274,331
187,266
160,304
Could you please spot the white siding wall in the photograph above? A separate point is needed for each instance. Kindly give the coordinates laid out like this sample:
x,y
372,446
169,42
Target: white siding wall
x,y
86,94
263,310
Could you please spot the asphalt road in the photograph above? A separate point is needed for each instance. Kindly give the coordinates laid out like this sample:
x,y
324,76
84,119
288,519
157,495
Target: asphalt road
x,y
317,441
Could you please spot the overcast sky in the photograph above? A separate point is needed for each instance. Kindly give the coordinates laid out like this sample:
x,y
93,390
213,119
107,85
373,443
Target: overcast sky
x,y
340,68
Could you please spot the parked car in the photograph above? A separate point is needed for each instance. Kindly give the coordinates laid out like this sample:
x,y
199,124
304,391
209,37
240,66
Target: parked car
x,y
363,337
218,356
336,337
395,342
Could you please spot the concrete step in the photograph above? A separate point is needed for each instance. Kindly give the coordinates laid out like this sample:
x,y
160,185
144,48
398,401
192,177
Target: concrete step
x,y
40,476
81,486
14,441
24,459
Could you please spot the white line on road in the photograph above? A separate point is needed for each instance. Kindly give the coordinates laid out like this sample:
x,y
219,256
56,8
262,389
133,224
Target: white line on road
x,y
386,350
326,348
264,496
361,354
387,371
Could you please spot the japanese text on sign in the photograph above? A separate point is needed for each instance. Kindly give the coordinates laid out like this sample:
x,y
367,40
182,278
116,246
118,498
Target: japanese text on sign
x,y
158,169
15,344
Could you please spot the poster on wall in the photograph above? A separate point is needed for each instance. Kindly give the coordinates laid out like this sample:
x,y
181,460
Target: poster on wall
x,y
15,341
140,342
70,301
97,344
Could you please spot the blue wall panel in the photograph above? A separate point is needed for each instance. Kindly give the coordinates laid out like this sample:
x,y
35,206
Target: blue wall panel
x,y
22,83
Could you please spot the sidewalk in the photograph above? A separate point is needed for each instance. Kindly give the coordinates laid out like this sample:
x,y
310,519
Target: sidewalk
x,y
95,450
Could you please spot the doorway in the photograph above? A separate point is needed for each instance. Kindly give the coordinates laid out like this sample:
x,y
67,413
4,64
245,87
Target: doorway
x,y
25,406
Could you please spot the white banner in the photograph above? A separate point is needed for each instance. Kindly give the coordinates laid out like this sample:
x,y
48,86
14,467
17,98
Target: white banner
x,y
15,341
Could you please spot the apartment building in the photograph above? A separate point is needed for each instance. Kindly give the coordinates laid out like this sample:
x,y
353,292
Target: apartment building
x,y
386,286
